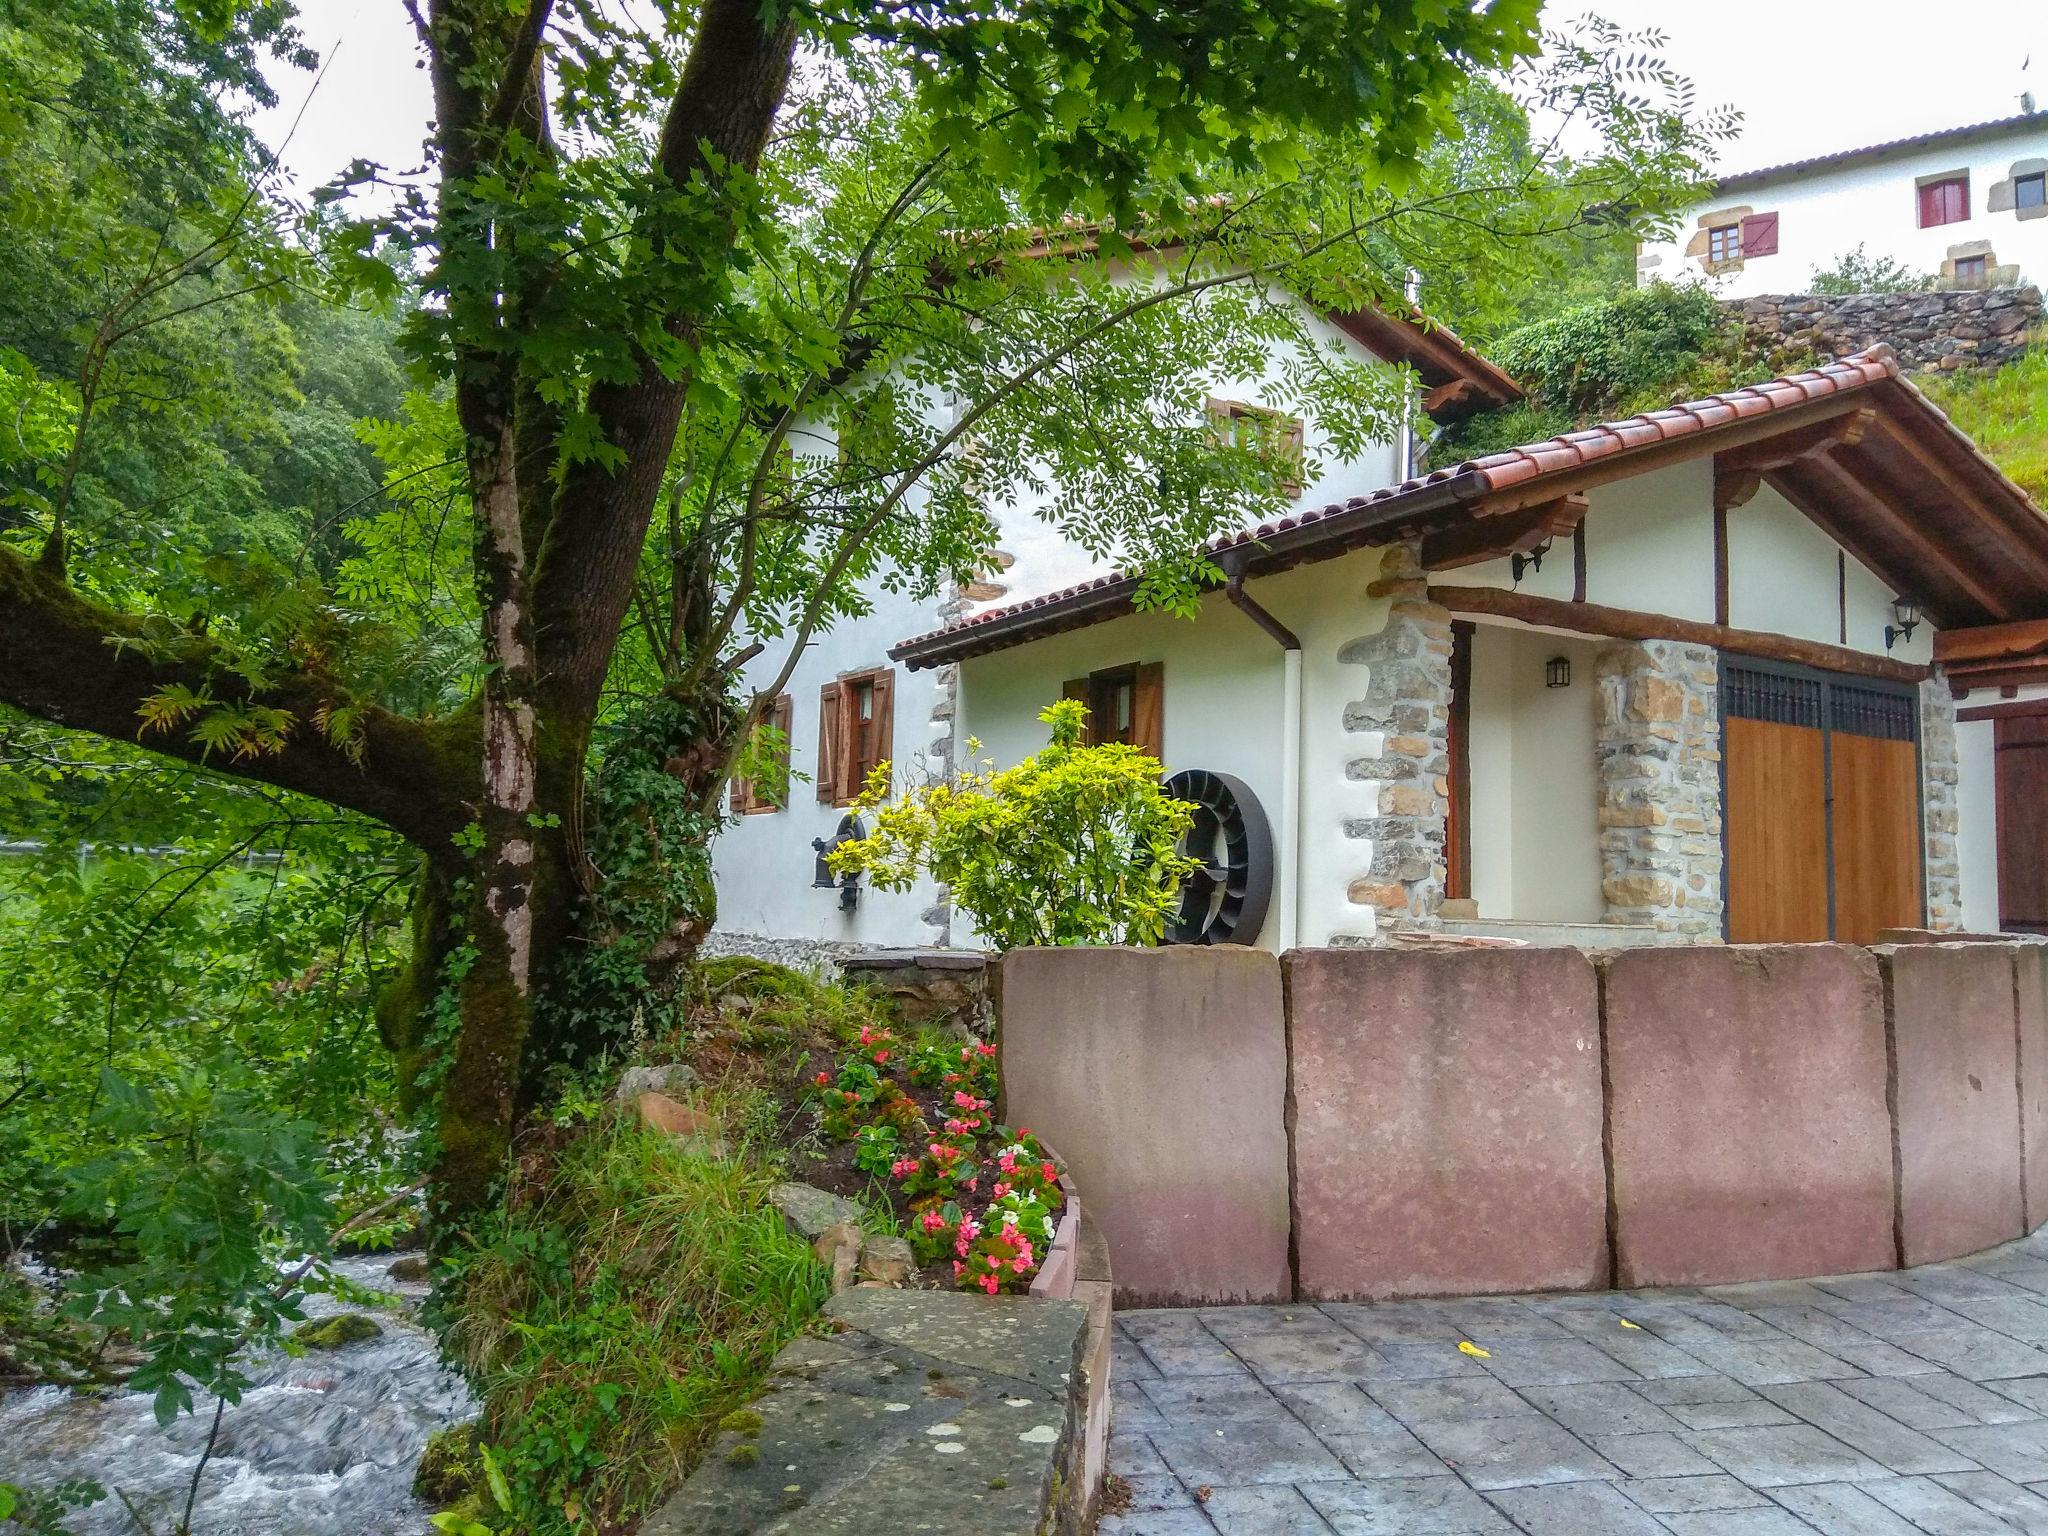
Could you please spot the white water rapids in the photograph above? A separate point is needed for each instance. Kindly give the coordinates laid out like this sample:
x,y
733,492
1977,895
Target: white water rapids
x,y
323,1445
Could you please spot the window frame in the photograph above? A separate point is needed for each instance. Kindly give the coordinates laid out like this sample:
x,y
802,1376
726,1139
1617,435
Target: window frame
x,y
1146,681
1978,277
1729,238
1960,181
746,799
1290,431
849,749
2038,180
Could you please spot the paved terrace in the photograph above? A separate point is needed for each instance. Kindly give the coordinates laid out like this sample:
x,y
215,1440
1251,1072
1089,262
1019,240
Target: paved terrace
x,y
1905,1404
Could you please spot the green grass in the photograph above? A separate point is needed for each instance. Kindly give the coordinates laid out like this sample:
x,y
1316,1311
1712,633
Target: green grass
x,y
630,1297
2005,411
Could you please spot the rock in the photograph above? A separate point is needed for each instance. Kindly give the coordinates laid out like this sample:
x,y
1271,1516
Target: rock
x,y
809,1211
886,1260
336,1331
448,1469
839,1246
669,1078
659,1112
411,1269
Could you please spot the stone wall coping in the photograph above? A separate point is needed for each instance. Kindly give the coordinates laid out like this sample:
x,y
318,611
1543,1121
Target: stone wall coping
x,y
925,959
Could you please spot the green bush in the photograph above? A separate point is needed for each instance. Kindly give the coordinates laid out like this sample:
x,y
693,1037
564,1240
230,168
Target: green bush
x,y
1076,845
618,1306
1598,356
1858,271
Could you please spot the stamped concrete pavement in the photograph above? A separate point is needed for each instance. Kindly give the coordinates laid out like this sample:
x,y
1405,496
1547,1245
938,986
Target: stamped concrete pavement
x,y
1906,1404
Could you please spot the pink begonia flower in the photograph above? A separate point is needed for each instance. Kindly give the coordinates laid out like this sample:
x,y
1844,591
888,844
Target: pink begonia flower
x,y
880,1057
933,1221
999,1190
984,1049
1007,1163
1024,1250
1020,1263
969,1228
903,1167
959,1269
1049,1171
973,1184
990,1284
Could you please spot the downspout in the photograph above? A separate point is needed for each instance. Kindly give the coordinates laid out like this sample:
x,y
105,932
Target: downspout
x,y
1290,742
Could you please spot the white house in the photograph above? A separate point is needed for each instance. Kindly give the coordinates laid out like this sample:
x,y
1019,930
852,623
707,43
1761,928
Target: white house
x,y
848,705
1767,666
1968,206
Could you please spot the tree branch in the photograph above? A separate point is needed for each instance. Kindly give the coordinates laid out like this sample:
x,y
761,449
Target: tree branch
x,y
77,664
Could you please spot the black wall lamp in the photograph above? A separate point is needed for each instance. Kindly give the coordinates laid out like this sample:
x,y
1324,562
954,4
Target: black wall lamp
x,y
822,878
1532,561
1907,614
1557,672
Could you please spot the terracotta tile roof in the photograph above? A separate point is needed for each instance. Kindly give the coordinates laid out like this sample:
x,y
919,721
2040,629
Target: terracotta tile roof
x,y
1470,481
1987,129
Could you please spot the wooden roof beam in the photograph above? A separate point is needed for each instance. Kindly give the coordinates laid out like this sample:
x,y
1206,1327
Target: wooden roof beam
x,y
1988,642
1836,480
1515,533
1844,431
2032,544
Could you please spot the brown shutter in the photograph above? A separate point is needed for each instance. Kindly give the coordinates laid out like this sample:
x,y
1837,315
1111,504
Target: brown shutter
x,y
885,724
1760,235
784,716
829,756
1077,688
1148,709
742,794
1294,446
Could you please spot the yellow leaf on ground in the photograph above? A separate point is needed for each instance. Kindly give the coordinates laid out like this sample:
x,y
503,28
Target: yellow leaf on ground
x,y
1638,1327
1467,1347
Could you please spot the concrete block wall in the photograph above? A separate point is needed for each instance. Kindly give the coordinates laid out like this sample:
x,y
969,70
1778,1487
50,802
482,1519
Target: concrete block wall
x,y
1356,1123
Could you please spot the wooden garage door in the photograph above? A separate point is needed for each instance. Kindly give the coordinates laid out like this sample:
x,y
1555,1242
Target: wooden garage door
x,y
1822,806
2022,742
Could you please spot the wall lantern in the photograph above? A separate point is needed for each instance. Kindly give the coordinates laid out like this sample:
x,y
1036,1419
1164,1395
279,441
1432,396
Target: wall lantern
x,y
1907,613
1521,564
822,878
1557,672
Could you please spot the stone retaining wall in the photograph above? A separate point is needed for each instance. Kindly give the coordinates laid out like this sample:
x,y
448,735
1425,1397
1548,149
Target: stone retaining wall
x,y
1963,328
1358,1123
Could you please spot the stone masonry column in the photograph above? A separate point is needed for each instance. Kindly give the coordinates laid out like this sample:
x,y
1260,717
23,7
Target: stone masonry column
x,y
1940,769
1401,731
1658,758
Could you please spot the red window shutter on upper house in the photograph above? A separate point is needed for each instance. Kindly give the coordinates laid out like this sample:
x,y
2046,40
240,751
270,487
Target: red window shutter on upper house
x,y
1760,235
1944,202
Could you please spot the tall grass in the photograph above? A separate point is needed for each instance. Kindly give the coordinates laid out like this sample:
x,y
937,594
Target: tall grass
x,y
2006,411
626,1300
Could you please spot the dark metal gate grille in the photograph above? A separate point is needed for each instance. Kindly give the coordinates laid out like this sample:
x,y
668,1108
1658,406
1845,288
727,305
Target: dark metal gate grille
x,y
1778,697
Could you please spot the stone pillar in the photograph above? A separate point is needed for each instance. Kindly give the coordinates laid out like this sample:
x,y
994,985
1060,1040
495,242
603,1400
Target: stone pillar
x,y
1658,757
1401,732
1940,771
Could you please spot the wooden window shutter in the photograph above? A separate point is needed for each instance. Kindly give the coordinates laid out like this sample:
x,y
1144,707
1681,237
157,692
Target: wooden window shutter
x,y
1077,688
830,727
1148,709
1760,235
885,725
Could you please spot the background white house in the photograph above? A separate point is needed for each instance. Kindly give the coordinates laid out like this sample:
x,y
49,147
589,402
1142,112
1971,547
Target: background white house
x,y
848,700
1967,206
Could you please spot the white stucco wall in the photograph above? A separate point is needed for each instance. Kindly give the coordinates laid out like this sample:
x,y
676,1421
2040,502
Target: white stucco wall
x,y
1535,798
1977,824
1223,706
1650,547
1823,214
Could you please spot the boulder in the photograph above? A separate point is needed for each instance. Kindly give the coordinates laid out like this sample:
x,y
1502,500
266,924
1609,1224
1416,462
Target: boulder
x,y
411,1270
671,1078
887,1261
839,1246
336,1331
659,1112
449,1469
810,1211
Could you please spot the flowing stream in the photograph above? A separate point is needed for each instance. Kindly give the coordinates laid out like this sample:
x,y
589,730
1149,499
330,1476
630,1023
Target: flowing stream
x,y
323,1445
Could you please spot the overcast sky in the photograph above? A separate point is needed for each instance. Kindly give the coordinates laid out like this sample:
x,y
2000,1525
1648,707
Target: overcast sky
x,y
1809,75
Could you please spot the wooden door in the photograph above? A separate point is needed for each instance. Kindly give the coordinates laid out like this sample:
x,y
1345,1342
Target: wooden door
x,y
1776,815
1877,844
1821,806
2022,747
